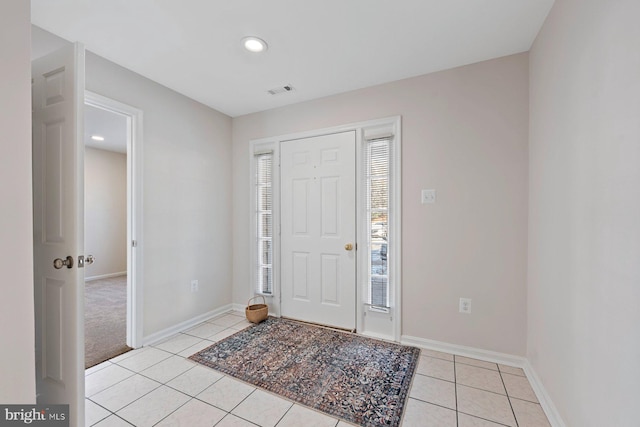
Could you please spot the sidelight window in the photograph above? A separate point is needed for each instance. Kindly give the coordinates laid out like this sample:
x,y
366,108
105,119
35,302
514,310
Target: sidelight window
x,y
264,222
377,164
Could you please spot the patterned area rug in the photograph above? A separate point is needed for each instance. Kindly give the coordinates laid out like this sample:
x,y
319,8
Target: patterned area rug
x,y
360,380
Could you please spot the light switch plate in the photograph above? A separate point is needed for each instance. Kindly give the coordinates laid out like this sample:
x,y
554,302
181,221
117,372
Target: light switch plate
x,y
428,196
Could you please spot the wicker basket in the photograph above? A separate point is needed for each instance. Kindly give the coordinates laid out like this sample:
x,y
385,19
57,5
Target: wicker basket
x,y
256,313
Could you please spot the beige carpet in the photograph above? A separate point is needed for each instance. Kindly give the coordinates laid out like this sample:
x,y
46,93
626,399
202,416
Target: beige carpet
x,y
105,320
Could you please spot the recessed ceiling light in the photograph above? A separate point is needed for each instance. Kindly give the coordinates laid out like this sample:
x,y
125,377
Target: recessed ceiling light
x,y
97,137
254,44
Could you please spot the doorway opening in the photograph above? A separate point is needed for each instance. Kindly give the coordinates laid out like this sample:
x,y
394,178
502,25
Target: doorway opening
x,y
112,228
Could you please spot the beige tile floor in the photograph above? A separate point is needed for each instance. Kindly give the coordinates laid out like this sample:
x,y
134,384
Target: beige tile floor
x,y
159,386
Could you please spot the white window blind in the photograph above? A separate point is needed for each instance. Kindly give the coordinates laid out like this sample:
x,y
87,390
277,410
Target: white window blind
x,y
264,222
377,175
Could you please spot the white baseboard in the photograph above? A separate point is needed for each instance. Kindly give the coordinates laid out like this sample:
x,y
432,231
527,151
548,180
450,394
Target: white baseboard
x,y
239,307
183,326
105,276
548,407
461,350
502,358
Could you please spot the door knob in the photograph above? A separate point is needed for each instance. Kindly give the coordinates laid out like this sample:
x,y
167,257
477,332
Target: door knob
x,y
59,263
348,246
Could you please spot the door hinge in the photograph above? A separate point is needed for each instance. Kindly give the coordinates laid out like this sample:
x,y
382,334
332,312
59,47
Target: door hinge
x,y
134,243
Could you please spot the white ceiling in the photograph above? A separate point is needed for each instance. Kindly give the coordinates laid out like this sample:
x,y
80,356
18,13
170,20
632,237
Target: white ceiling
x,y
319,47
107,124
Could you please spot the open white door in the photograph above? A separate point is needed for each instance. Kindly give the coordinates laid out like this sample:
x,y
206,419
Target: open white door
x,y
319,229
58,188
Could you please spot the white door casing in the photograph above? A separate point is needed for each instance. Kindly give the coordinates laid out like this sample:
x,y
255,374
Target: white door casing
x,y
58,181
318,216
134,118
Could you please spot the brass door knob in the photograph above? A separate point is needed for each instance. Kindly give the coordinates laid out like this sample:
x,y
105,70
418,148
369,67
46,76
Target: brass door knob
x,y
348,246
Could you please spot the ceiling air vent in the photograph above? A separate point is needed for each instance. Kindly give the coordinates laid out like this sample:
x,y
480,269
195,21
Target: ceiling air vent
x,y
279,90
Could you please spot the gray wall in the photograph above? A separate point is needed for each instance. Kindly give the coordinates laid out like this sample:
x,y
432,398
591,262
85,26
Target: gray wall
x,y
465,134
584,211
187,196
17,358
105,211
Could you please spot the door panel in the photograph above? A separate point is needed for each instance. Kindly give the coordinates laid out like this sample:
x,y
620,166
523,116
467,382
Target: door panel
x,y
58,91
330,207
330,279
301,277
318,219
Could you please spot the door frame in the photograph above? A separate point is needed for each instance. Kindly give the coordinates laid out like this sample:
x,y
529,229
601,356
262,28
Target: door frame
x,y
369,320
134,211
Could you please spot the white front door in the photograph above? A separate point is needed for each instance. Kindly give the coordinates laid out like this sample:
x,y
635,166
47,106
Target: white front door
x,y
58,181
318,212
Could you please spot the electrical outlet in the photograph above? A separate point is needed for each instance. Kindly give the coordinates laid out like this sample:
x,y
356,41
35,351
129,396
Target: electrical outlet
x,y
194,286
465,305
428,196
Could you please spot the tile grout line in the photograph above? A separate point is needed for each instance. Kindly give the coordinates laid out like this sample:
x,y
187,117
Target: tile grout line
x,y
455,389
171,388
175,410
196,396
433,404
118,416
436,378
283,415
114,384
481,367
239,417
484,389
524,400
509,399
240,403
168,381
134,400
487,420
96,403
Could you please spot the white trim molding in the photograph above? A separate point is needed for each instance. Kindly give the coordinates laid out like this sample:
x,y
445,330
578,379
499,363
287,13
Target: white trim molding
x,y
548,407
461,350
183,326
135,197
105,276
385,324
239,308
